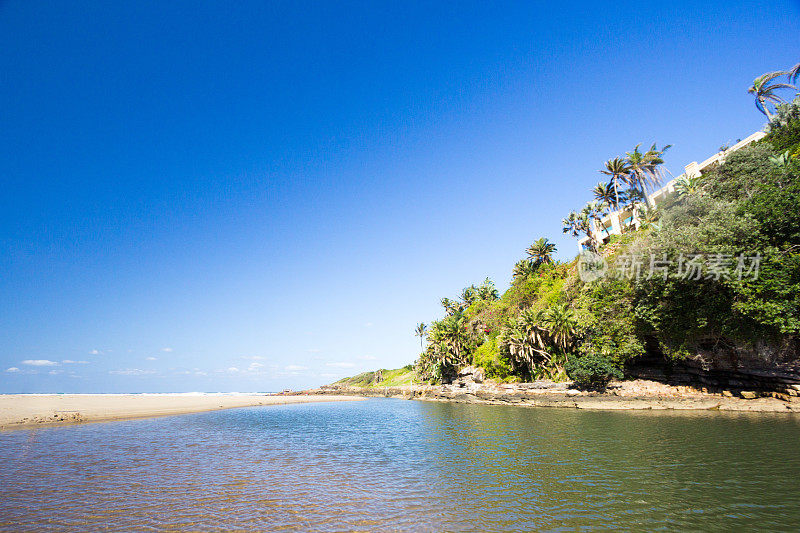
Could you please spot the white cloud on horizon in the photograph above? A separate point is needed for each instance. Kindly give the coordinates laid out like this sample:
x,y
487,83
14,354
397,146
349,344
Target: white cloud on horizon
x,y
193,372
151,358
39,362
295,368
166,349
12,369
71,362
94,352
131,372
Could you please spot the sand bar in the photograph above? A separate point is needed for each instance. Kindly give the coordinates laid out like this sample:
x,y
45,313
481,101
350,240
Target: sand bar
x,y
26,410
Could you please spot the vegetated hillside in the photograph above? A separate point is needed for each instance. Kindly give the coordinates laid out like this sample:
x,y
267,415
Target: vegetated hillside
x,y
381,378
718,282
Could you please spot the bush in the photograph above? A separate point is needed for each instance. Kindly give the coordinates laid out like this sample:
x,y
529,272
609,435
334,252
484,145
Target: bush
x,y
784,129
489,357
607,321
592,372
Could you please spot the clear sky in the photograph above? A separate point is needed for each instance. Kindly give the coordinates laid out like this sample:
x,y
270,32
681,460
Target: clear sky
x,y
250,196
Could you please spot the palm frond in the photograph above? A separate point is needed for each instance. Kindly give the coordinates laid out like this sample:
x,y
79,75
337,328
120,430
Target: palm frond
x,y
793,73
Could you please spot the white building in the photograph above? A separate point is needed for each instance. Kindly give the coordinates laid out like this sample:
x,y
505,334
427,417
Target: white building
x,y
616,222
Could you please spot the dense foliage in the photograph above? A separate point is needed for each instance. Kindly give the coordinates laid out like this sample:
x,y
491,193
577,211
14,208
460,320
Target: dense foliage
x,y
550,324
592,371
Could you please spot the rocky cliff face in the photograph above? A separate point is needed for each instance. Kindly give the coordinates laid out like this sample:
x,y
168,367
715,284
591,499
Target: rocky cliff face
x,y
765,369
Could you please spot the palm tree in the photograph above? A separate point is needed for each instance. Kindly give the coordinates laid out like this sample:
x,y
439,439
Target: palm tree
x,y
487,291
443,349
595,211
560,324
604,193
793,73
633,196
541,251
454,334
648,216
764,91
686,185
526,340
644,168
523,269
576,224
469,295
451,306
420,332
618,169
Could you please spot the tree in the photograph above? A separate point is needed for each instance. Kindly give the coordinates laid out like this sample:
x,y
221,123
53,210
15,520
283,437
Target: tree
x,y
604,193
523,269
451,306
541,251
530,338
487,291
634,197
618,170
648,216
595,211
764,90
454,336
686,185
526,341
420,332
447,345
469,295
592,372
576,224
645,168
560,324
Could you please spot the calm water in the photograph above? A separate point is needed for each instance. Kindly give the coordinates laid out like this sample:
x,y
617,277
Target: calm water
x,y
400,465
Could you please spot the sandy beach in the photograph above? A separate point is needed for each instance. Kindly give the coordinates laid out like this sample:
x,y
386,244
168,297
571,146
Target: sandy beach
x,y
26,410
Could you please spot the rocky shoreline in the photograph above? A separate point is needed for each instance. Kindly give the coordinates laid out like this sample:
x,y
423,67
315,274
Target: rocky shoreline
x,y
620,395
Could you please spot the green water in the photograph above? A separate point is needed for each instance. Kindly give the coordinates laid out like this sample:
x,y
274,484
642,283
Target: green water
x,y
386,465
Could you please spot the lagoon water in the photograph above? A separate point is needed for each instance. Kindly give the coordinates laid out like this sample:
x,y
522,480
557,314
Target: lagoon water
x,y
400,465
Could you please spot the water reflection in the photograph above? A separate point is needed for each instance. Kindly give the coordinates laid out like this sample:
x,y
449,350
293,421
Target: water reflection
x,y
397,465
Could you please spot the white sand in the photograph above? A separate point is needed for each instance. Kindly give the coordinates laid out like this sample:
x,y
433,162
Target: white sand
x,y
25,410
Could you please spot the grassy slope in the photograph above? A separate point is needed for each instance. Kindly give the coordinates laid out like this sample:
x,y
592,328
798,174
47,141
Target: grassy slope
x,y
390,378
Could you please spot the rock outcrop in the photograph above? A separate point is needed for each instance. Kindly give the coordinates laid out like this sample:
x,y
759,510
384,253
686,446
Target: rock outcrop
x,y
764,372
635,394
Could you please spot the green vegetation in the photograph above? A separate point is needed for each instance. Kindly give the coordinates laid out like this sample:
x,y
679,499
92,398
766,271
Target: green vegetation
x,y
381,378
743,300
592,372
764,88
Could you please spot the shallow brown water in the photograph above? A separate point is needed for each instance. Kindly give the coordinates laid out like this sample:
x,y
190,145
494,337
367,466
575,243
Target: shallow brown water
x,y
400,465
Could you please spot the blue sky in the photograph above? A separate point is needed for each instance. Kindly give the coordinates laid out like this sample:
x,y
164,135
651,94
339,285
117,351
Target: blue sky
x,y
205,196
